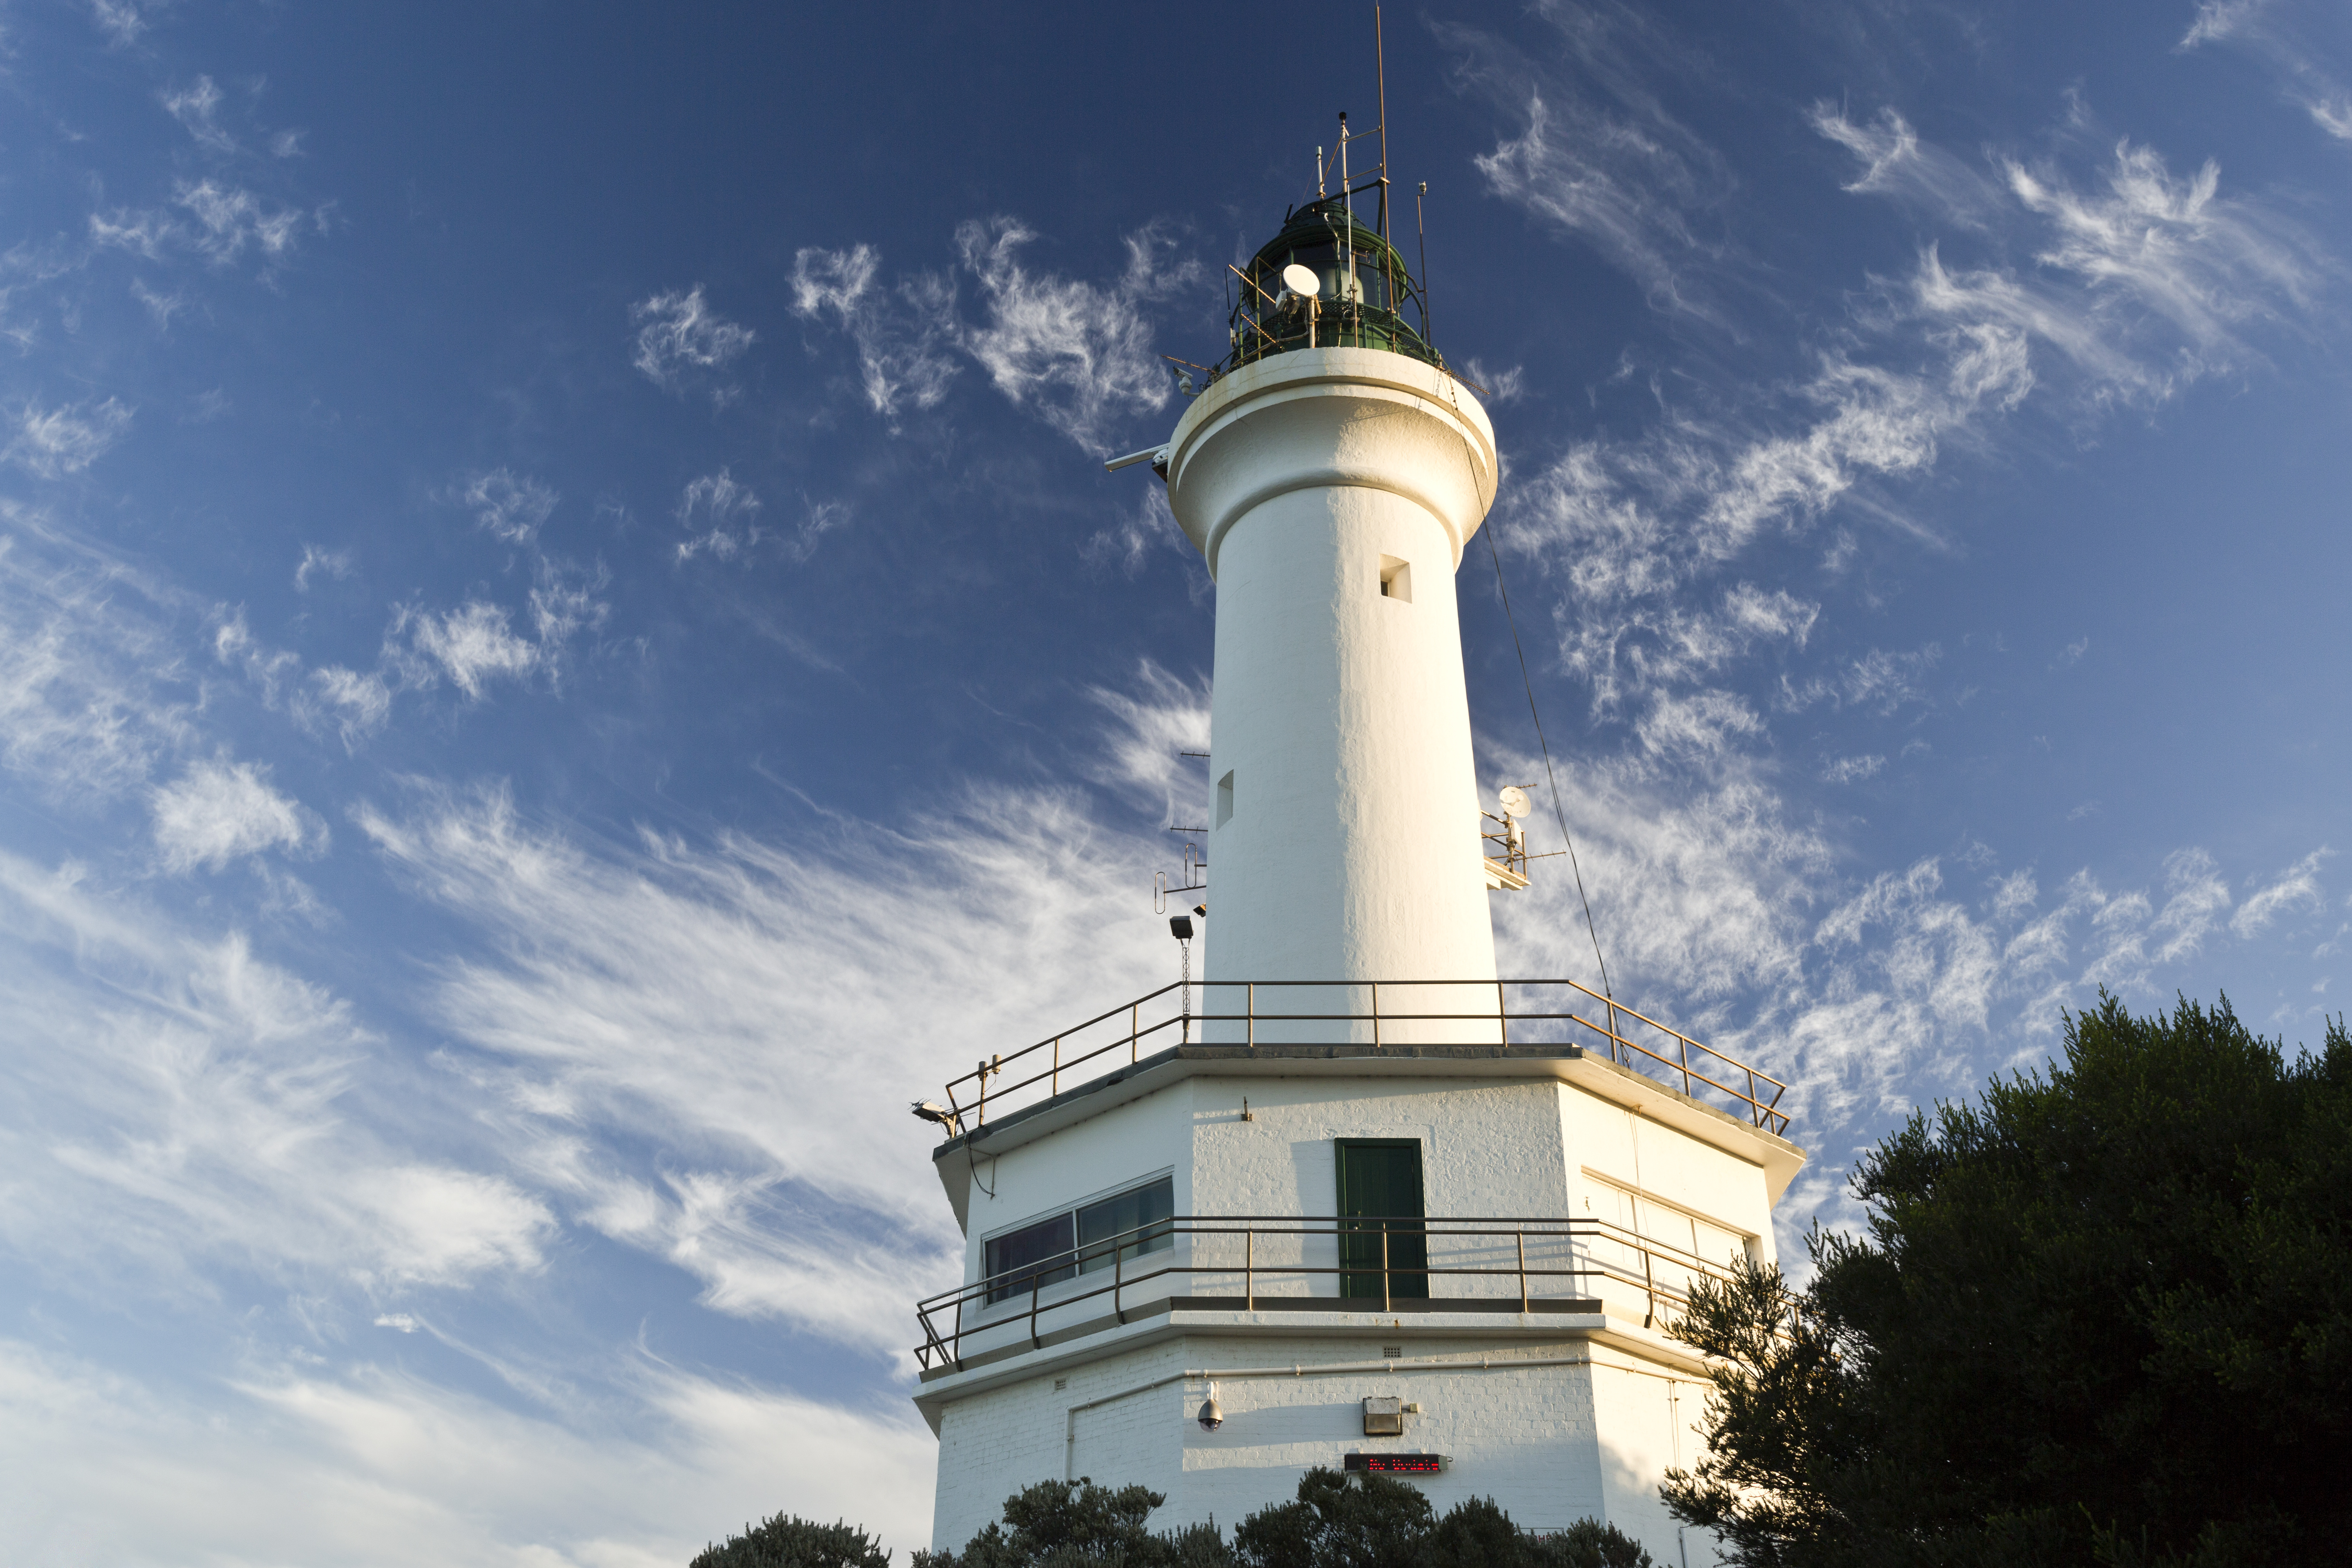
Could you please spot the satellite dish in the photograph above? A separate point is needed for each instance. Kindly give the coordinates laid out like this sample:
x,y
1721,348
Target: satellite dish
x,y
1515,801
1301,280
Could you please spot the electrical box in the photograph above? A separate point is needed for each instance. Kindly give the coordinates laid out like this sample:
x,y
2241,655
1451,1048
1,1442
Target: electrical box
x,y
1383,1418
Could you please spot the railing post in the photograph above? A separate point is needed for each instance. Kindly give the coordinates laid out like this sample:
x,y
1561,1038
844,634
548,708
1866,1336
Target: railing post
x,y
1503,1019
1376,1014
1054,1085
1037,1283
1249,1269
1685,1040
1387,1300
1649,1289
1523,1268
1134,1033
983,1117
1118,1270
1249,1023
956,1355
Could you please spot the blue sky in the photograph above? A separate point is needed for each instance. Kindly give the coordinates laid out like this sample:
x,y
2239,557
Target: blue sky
x,y
565,650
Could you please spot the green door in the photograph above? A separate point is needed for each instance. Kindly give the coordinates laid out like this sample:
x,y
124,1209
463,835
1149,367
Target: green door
x,y
1380,1199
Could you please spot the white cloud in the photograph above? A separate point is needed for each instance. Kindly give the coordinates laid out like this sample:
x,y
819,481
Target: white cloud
x,y
367,1464
219,812
509,507
1896,163
721,515
715,1001
93,691
473,645
162,306
50,443
679,334
1602,158
223,222
357,704
2297,887
1851,770
1080,354
1077,354
120,20
901,334
193,107
230,219
188,1106
316,561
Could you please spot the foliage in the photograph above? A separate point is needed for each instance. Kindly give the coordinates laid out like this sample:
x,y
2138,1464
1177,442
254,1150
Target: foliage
x,y
788,1541
1336,1521
2104,1315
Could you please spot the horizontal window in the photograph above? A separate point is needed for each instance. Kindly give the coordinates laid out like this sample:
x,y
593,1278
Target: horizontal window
x,y
1081,1240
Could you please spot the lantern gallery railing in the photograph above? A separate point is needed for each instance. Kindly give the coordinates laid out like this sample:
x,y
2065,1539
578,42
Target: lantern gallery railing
x,y
1378,1016
1321,1264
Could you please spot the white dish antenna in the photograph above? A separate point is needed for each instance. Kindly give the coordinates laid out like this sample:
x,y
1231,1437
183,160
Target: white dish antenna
x,y
1515,801
1301,280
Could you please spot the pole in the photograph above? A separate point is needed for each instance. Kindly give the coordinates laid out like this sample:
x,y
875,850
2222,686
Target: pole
x,y
1380,59
1421,234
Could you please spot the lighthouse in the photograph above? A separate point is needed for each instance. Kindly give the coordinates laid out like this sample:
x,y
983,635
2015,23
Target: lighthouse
x,y
1356,1200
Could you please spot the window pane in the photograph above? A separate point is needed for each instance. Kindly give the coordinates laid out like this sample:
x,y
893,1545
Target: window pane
x,y
1013,1260
1134,1215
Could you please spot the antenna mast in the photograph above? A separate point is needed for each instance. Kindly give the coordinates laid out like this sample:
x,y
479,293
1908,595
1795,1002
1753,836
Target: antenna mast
x,y
1380,60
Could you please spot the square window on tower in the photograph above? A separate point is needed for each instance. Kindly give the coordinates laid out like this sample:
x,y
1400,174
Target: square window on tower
x,y
1224,800
1396,579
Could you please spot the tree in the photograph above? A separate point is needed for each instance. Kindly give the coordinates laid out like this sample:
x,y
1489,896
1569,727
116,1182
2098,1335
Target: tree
x,y
2103,1315
789,1541
1369,1522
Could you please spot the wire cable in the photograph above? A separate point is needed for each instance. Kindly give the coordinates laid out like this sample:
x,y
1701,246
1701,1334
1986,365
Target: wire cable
x,y
1560,813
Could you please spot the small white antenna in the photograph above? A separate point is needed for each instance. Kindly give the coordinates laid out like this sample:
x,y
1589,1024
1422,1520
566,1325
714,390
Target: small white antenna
x,y
1515,801
1301,280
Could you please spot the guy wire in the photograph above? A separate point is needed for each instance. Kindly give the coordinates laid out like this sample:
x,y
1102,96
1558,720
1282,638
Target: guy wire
x,y
1559,813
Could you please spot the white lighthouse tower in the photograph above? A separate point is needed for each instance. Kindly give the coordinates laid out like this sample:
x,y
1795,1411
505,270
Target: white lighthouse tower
x,y
1366,1204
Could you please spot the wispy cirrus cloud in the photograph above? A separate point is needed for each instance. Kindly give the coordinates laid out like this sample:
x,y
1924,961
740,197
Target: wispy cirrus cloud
x,y
648,985
2293,42
721,516
51,443
218,221
901,332
679,337
1599,157
221,811
197,107
508,506
1077,354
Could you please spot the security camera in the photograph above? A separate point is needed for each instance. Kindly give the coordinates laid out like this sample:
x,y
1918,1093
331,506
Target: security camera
x,y
1212,1414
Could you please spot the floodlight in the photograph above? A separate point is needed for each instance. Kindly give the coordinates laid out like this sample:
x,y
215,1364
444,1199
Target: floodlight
x,y
1181,927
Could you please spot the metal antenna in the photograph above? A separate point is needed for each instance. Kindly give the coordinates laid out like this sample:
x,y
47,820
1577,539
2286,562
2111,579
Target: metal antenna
x,y
1319,192
1347,206
1421,234
1381,58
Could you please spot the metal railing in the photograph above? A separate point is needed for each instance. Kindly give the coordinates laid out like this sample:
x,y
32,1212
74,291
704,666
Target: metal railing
x,y
1545,1014
1250,1263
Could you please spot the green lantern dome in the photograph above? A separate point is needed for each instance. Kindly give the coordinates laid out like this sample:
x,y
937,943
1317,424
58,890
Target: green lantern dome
x,y
1362,291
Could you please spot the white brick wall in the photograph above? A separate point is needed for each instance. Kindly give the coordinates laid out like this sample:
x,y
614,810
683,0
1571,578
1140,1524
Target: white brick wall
x,y
1551,1444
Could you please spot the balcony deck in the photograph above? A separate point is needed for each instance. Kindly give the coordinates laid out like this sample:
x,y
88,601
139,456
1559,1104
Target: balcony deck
x,y
1372,1019
1249,1264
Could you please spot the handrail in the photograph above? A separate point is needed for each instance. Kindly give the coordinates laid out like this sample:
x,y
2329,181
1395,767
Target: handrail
x,y
1409,1279
1759,1098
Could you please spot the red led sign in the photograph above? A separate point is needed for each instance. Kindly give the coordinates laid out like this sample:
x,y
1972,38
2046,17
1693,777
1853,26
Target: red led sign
x,y
1398,1464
